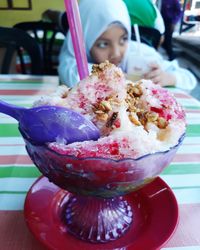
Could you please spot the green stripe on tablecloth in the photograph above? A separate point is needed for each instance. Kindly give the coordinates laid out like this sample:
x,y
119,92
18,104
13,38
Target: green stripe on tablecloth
x,y
20,85
186,188
10,130
16,81
13,192
191,107
26,105
182,169
21,172
193,130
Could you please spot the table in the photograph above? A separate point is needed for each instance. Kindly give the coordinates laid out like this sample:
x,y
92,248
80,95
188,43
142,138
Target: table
x,y
17,172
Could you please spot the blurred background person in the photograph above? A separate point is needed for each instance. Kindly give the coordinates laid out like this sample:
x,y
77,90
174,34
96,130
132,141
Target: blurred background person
x,y
171,13
145,13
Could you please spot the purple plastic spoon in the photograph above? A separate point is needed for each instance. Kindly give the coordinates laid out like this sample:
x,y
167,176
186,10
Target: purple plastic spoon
x,y
50,123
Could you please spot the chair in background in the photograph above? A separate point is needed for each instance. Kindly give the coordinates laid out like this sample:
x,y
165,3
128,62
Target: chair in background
x,y
45,33
16,42
148,35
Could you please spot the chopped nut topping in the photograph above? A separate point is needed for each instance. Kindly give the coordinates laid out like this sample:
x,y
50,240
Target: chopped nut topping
x,y
162,123
142,117
99,112
98,68
137,115
133,119
152,117
64,95
102,116
102,107
132,104
113,100
105,106
134,90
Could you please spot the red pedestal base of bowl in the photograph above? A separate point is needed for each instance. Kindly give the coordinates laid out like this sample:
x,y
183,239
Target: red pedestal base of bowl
x,y
50,210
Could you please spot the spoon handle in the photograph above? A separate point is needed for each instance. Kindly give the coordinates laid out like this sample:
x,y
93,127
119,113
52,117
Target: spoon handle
x,y
11,110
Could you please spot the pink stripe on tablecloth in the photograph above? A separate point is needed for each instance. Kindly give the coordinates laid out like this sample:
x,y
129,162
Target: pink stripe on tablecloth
x,y
17,159
182,95
23,92
187,158
14,234
192,111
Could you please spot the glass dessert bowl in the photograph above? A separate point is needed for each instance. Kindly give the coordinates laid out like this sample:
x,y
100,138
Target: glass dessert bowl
x,y
98,188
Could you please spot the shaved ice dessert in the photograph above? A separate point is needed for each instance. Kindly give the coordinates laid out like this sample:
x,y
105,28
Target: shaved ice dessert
x,y
134,118
141,127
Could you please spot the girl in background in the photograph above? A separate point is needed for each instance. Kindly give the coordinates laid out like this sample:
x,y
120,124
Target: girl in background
x,y
107,33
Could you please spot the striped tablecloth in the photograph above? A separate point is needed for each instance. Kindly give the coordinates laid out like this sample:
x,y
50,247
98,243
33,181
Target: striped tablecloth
x,y
17,172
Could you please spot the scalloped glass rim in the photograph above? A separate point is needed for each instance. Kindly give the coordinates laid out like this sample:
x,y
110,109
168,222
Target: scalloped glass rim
x,y
108,159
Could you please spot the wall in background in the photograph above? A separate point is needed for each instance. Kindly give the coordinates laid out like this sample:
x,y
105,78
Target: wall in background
x,y
10,17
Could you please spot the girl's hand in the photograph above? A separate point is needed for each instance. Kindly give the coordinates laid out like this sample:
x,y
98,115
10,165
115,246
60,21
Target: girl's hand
x,y
158,76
